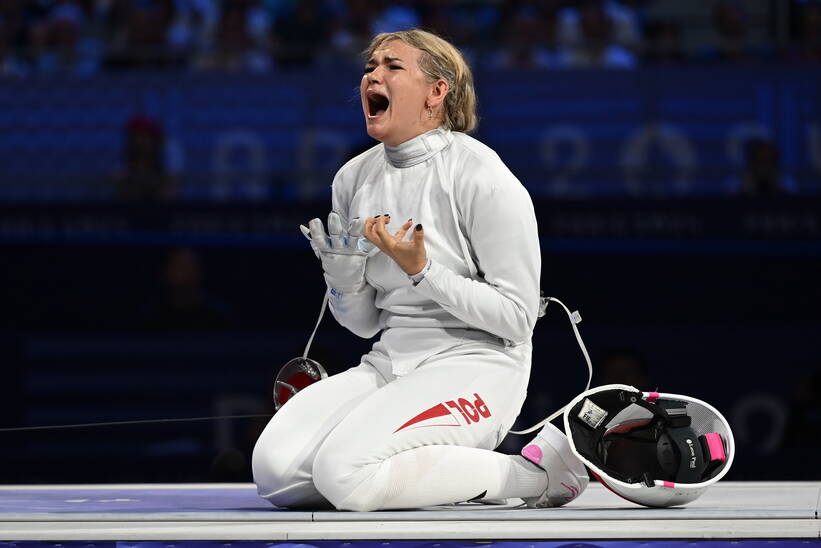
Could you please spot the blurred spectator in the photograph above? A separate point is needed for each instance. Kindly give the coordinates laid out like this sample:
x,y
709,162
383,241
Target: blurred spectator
x,y
623,365
596,48
436,17
762,171
140,33
623,20
259,21
394,16
731,27
74,37
236,49
60,43
146,177
10,25
184,304
528,40
194,25
663,43
806,46
301,34
472,26
350,31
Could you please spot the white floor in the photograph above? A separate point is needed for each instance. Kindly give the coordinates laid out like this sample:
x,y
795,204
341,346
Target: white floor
x,y
730,510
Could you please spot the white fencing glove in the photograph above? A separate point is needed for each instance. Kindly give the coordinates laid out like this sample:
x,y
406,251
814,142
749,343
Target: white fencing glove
x,y
343,252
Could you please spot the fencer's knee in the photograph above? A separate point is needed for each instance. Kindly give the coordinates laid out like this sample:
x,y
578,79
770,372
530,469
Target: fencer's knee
x,y
272,467
346,481
328,472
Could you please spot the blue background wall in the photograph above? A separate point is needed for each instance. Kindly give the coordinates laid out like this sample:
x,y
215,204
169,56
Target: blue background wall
x,y
578,133
716,294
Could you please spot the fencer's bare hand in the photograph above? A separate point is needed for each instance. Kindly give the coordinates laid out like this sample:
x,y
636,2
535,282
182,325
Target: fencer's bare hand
x,y
410,255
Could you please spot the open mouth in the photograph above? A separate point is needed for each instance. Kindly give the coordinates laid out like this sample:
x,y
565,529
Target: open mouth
x,y
377,104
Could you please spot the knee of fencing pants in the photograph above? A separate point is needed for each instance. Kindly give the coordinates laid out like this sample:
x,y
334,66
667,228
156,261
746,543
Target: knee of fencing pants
x,y
270,465
284,454
281,474
349,481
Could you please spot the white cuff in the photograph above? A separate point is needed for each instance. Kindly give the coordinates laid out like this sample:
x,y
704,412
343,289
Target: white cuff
x,y
419,276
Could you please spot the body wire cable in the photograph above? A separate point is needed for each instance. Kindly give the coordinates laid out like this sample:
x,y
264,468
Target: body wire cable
x,y
318,321
123,423
575,319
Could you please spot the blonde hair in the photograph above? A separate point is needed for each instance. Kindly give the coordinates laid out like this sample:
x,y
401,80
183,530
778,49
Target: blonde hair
x,y
440,59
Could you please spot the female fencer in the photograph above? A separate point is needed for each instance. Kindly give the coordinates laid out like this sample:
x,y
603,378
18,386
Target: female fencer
x,y
432,243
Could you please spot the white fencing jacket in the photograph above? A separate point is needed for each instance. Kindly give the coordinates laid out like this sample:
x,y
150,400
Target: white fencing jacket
x,y
481,238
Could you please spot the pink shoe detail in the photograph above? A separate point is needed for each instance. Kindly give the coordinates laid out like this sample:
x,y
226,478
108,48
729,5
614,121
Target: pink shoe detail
x,y
533,454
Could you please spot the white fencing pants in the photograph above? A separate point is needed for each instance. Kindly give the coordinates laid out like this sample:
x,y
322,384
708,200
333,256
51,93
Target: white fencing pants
x,y
366,440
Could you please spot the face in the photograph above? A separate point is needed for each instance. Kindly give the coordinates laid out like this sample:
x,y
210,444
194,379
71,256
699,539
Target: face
x,y
396,94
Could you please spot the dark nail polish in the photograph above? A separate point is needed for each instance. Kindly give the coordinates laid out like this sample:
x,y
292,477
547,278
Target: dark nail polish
x,y
387,214
377,216
419,227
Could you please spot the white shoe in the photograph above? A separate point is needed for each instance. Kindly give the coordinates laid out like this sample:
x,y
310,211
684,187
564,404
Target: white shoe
x,y
566,475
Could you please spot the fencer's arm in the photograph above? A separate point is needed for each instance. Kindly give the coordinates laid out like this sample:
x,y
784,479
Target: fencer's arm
x,y
501,226
356,311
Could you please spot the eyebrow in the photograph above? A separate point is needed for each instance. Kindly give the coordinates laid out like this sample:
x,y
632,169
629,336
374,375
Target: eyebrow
x,y
371,61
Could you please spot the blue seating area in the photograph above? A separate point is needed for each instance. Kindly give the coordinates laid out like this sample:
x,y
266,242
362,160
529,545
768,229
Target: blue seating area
x,y
603,133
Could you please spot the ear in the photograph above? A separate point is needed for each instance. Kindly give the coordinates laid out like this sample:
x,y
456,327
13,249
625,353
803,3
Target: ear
x,y
439,89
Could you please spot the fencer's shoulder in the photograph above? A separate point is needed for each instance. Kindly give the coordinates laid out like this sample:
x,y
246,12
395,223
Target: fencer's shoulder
x,y
466,146
477,163
350,170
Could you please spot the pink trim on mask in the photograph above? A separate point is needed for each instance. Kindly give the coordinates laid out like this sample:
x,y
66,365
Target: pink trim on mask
x,y
533,454
715,446
653,396
669,484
